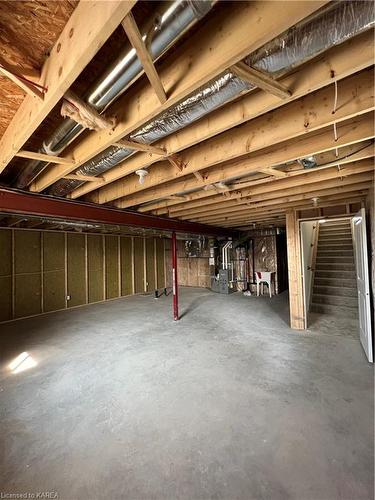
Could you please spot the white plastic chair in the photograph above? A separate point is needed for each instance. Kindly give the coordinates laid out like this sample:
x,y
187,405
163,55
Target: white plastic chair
x,y
264,277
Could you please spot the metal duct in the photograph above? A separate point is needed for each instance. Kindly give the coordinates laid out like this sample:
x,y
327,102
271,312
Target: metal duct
x,y
168,25
331,26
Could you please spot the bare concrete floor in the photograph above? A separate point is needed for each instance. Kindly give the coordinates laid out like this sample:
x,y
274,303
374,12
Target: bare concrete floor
x,y
228,403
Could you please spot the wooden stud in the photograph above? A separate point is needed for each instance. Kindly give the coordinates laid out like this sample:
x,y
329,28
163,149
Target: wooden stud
x,y
43,157
138,146
260,79
16,77
135,38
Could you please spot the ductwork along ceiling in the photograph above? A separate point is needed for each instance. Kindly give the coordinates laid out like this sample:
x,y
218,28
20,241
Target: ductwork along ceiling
x,y
330,26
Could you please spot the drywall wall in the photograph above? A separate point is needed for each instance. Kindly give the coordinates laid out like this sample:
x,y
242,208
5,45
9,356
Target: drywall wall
x,y
44,271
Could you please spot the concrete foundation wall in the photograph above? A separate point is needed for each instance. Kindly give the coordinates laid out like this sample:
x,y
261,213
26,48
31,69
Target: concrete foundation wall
x,y
44,271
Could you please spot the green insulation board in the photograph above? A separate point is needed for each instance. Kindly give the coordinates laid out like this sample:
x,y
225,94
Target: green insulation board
x,y
138,265
150,264
5,298
5,252
95,267
27,266
111,267
5,274
53,271
27,256
76,270
126,266
27,295
160,263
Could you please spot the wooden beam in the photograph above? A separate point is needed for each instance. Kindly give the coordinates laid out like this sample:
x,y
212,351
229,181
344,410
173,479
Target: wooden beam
x,y
280,202
16,77
135,38
137,146
43,157
283,124
261,80
263,212
89,26
301,191
197,199
351,132
340,61
228,36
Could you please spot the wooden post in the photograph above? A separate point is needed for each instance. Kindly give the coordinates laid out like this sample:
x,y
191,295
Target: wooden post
x,y
297,313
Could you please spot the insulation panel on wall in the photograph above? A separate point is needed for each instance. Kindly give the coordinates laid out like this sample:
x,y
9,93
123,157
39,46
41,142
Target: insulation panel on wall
x,y
5,275
95,268
111,267
126,266
139,265
27,268
54,293
76,269
150,264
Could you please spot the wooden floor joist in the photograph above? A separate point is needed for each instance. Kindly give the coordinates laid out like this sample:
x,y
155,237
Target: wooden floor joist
x,y
351,57
226,38
292,120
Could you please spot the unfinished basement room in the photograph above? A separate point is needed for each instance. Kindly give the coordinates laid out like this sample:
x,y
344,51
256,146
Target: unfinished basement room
x,y
187,249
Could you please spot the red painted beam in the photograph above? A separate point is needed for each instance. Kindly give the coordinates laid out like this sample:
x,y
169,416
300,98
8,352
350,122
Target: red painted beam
x,y
20,202
174,277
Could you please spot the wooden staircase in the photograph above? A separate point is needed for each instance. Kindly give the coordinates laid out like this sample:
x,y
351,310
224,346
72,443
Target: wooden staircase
x,y
335,286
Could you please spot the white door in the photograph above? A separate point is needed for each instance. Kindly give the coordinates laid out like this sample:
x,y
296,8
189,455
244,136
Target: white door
x,y
363,283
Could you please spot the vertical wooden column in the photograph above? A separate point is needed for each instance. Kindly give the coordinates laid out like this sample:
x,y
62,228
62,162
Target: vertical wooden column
x,y
296,308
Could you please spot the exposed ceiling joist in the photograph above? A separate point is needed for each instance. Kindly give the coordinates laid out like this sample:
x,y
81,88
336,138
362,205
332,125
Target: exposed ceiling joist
x,y
225,39
85,32
135,38
347,154
339,61
232,204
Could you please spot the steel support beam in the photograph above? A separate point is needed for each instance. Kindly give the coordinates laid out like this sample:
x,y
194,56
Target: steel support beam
x,y
13,201
174,277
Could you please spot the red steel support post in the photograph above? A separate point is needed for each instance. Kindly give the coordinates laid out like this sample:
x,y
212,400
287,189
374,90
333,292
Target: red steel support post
x,y
174,277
